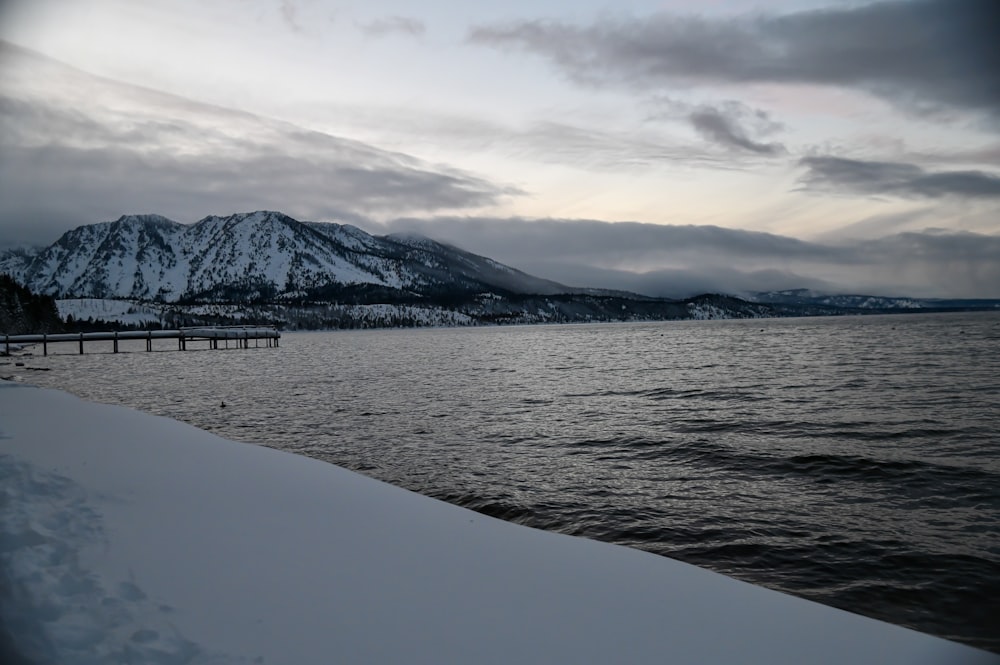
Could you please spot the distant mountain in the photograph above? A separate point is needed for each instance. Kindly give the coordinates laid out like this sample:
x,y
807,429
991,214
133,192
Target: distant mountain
x,y
809,299
266,266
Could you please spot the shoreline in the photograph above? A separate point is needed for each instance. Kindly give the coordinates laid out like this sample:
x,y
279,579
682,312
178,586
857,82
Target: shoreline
x,y
258,553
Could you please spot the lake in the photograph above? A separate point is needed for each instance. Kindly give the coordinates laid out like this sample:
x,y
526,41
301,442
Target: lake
x,y
854,461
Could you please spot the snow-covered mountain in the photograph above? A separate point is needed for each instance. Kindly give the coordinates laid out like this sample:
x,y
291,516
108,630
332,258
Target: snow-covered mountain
x,y
811,297
808,298
254,256
266,266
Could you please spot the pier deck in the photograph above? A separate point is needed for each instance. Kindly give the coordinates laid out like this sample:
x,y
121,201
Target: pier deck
x,y
242,335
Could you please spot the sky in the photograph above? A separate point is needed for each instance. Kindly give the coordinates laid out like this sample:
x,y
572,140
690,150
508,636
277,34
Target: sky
x,y
828,144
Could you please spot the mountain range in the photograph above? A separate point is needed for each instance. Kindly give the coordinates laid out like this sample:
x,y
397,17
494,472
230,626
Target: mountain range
x,y
283,269
839,303
254,256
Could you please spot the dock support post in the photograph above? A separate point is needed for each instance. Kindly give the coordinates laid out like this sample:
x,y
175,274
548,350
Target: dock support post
x,y
45,344
81,344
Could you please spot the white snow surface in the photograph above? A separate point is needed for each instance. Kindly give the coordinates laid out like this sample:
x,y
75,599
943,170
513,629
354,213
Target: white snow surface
x,y
105,309
134,538
705,312
256,254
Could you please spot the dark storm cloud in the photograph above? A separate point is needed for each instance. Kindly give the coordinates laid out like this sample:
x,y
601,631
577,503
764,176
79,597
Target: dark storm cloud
x,y
854,176
394,24
680,261
921,54
67,161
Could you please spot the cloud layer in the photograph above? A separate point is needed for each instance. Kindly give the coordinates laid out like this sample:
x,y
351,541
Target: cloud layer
x,y
77,149
679,261
826,173
924,55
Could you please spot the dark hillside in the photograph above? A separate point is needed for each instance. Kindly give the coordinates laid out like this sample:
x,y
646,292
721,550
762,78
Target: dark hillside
x,y
21,311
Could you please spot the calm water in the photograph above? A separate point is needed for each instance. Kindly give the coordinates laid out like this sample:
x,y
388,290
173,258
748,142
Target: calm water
x,y
854,461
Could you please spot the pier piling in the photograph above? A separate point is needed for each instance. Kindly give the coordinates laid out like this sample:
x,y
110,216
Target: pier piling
x,y
212,334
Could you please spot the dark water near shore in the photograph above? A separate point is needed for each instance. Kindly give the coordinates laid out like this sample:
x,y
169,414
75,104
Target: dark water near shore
x,y
853,461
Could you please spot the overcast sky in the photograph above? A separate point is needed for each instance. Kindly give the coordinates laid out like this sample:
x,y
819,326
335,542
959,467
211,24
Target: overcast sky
x,y
833,144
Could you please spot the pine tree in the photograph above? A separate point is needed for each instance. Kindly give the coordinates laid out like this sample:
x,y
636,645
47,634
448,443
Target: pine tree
x,y
22,311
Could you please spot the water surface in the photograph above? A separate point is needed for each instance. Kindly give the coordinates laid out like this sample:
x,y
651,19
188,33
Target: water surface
x,y
854,461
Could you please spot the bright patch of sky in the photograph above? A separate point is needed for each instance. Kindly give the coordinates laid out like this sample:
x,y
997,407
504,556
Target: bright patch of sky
x,y
807,118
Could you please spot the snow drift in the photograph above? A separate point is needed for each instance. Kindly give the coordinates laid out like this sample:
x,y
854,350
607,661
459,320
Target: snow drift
x,y
133,538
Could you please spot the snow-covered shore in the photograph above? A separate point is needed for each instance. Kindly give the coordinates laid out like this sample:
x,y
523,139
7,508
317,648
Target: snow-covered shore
x,y
130,538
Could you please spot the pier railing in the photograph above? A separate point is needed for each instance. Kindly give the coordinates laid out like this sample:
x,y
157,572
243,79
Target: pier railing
x,y
241,335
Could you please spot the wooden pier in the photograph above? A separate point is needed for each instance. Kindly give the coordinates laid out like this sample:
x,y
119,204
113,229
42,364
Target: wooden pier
x,y
241,335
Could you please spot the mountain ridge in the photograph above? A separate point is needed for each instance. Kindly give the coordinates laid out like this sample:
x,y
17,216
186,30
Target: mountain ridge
x,y
863,302
252,256
267,266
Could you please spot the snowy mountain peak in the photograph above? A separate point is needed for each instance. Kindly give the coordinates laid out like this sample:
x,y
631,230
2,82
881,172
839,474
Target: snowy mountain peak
x,y
256,255
146,220
248,218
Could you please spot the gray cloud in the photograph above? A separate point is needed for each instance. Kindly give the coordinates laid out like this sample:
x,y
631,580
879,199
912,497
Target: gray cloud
x,y
921,54
589,145
679,261
116,149
837,174
290,15
626,245
729,124
692,280
725,129
933,263
564,143
881,225
394,24
561,142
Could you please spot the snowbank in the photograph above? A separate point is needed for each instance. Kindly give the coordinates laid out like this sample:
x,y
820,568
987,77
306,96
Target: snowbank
x,y
126,537
104,309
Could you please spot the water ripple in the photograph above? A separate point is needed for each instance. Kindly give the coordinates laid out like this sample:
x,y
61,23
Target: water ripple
x,y
854,461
